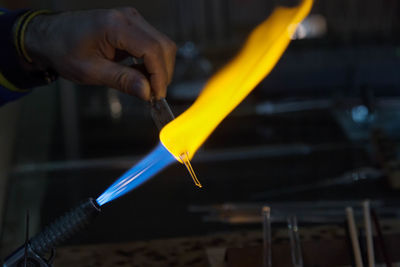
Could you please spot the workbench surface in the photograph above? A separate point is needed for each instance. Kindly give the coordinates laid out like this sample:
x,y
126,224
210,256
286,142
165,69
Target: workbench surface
x,y
221,249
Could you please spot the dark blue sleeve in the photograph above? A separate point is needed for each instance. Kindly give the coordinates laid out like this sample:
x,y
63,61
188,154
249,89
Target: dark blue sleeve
x,y
9,59
15,81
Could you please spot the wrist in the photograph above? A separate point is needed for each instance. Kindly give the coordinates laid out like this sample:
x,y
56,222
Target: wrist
x,y
30,39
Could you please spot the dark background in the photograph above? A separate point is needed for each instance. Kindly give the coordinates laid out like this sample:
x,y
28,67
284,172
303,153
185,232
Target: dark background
x,y
310,120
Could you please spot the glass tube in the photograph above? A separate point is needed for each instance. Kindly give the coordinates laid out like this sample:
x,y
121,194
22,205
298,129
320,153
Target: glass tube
x,y
295,245
267,255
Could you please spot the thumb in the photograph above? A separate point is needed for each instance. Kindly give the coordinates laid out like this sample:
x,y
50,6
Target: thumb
x,y
124,79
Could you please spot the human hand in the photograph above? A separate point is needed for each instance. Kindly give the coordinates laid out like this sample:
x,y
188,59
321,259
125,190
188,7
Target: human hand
x,y
84,46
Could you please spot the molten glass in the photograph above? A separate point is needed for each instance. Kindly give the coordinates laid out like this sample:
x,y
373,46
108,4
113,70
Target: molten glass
x,y
185,159
225,90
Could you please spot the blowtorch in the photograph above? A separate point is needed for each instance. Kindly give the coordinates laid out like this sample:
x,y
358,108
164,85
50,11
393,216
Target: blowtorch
x,y
33,252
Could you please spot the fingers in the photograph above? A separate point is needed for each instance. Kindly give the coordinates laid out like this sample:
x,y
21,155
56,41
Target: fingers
x,y
123,78
169,56
140,39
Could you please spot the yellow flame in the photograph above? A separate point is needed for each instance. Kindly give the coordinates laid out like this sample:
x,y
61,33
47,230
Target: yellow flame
x,y
225,90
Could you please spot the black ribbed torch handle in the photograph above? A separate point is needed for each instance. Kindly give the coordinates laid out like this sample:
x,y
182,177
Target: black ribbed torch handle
x,y
64,227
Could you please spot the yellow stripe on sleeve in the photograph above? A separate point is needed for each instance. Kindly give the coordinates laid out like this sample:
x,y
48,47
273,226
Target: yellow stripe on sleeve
x,y
17,26
23,29
7,84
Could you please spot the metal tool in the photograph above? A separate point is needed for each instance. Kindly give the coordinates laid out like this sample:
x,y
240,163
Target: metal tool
x,y
162,115
34,251
161,112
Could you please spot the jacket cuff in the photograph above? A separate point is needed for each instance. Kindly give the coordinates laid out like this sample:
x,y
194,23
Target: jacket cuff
x,y
12,74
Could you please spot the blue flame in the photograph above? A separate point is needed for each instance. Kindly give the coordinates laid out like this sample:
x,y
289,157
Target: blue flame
x,y
153,163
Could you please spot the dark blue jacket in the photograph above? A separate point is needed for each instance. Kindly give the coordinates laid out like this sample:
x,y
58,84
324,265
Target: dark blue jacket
x,y
15,82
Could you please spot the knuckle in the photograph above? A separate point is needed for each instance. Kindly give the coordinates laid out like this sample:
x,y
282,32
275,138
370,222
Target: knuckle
x,y
155,48
130,11
134,11
168,44
122,81
113,17
172,46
